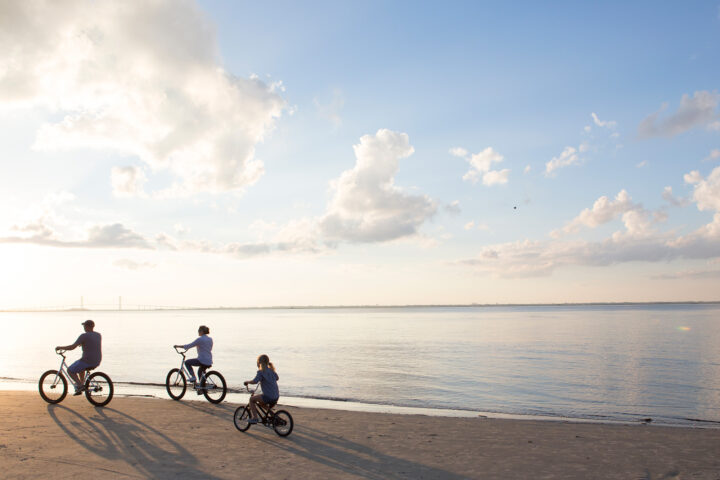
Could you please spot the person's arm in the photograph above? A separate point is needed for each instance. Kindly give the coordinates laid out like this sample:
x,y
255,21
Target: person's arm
x,y
254,380
77,343
188,346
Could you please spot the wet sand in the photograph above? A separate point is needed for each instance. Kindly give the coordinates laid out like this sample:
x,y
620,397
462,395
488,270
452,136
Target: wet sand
x,y
163,439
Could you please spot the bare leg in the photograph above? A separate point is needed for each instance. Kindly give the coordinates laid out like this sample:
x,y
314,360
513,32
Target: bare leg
x,y
74,378
254,400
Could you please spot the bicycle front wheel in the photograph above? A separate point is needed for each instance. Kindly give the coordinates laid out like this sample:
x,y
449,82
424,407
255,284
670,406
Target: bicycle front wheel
x,y
282,423
99,389
53,386
175,384
241,417
214,387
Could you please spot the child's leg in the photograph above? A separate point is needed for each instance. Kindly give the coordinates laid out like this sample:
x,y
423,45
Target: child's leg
x,y
254,400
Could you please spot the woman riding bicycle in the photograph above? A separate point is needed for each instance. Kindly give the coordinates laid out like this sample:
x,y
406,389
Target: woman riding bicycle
x,y
268,377
204,346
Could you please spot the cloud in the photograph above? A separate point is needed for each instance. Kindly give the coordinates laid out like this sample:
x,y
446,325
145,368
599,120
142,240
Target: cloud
x,y
128,181
695,111
568,157
714,155
603,210
480,164
689,275
669,197
453,208
602,124
638,242
132,265
367,206
98,236
139,78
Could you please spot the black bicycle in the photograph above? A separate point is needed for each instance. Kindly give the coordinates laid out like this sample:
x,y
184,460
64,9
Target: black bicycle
x,y
281,421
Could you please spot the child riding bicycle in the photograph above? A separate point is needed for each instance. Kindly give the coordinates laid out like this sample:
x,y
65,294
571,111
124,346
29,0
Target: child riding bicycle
x,y
268,377
204,346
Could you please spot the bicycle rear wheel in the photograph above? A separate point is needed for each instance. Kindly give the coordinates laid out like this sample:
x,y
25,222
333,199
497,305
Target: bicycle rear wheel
x,y
175,384
240,418
282,423
214,387
53,386
99,389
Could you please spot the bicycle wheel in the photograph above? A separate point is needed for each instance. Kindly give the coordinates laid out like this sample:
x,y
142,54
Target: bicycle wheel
x,y
53,386
283,423
241,417
175,384
214,387
99,389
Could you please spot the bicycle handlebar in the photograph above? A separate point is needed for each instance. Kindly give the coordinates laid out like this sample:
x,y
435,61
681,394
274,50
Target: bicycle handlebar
x,y
60,352
179,351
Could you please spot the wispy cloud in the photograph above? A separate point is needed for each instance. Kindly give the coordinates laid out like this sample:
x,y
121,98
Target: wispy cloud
x,y
569,156
128,264
141,78
696,111
98,236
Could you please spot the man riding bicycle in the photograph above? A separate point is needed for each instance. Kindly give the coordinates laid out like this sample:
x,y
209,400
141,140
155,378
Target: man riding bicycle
x,y
91,343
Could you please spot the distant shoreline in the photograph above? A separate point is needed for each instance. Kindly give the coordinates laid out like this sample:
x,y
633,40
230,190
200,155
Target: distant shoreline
x,y
340,307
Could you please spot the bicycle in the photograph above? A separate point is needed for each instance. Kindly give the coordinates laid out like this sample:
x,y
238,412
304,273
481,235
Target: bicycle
x,y
212,384
53,385
280,421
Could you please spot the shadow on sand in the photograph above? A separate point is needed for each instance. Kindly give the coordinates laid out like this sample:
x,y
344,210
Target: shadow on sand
x,y
114,435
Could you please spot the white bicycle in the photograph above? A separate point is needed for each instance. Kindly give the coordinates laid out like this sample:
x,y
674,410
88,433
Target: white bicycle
x,y
53,385
211,384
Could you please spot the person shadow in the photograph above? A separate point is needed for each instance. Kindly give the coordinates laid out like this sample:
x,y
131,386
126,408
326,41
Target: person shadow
x,y
348,457
114,435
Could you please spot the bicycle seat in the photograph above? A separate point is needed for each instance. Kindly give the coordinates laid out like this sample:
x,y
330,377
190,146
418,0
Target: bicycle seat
x,y
271,405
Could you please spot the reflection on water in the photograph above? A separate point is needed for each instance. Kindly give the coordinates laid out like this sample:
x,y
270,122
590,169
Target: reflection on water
x,y
612,362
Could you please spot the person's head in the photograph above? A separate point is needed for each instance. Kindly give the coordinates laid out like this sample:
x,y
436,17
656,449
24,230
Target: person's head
x,y
203,330
89,325
263,362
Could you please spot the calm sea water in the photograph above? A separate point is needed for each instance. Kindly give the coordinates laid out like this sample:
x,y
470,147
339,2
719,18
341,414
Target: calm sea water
x,y
592,362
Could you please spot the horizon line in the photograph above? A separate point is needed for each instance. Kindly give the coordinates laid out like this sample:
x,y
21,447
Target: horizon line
x,y
144,308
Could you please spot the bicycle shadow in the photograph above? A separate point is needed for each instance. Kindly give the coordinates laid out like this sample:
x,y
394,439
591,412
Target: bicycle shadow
x,y
222,410
351,457
114,435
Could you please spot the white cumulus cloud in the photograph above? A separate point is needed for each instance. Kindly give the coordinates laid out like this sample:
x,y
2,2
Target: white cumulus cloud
x,y
128,181
138,77
367,206
480,165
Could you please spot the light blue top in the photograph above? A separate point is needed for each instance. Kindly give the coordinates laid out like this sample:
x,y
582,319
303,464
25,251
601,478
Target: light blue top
x,y
204,346
268,382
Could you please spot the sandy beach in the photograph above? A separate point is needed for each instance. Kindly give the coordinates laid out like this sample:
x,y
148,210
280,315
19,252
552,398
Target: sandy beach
x,y
163,439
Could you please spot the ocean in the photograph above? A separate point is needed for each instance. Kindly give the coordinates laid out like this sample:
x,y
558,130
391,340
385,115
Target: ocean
x,y
608,363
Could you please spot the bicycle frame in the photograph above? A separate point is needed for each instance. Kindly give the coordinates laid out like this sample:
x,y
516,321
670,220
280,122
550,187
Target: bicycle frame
x,y
263,409
64,370
186,371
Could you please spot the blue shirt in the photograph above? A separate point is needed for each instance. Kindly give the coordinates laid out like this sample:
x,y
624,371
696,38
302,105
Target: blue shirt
x,y
204,346
91,347
268,382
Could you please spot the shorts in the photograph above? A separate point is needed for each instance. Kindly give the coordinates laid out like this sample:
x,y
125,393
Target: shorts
x,y
268,400
80,366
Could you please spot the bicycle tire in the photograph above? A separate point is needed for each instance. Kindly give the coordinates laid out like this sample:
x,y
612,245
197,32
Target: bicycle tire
x,y
240,419
215,393
176,384
48,395
99,389
282,423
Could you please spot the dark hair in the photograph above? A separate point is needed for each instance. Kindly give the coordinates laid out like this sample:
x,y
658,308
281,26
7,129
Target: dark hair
x,y
204,330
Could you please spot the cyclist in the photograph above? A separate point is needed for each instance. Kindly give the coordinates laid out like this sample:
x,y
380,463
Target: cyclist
x,y
268,377
91,342
204,346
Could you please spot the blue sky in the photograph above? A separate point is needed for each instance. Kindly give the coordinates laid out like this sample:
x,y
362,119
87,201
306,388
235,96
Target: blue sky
x,y
239,153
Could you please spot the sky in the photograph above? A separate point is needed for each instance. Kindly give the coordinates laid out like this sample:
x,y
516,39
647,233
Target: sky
x,y
232,153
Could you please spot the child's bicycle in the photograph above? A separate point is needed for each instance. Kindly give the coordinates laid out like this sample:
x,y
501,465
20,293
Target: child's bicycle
x,y
280,421
211,384
53,385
